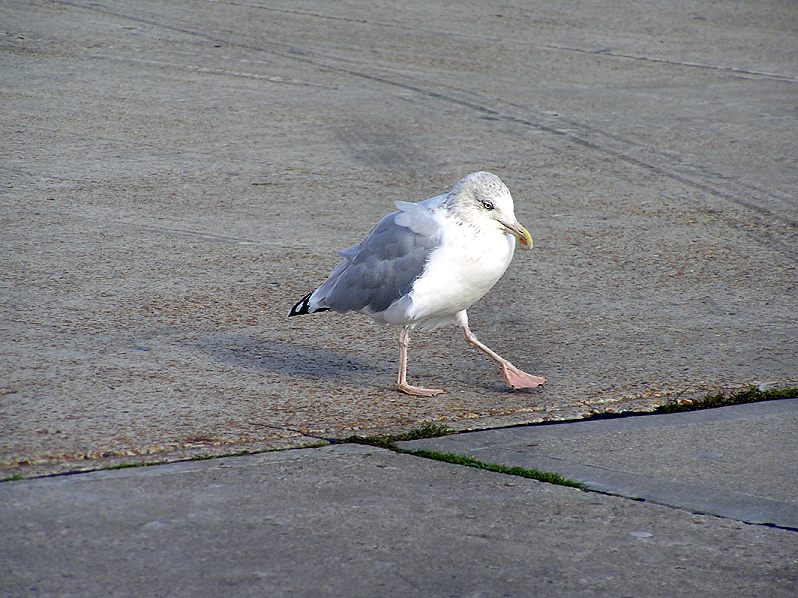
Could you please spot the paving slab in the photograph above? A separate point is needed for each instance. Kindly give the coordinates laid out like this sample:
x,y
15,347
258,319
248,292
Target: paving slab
x,y
361,521
176,175
739,461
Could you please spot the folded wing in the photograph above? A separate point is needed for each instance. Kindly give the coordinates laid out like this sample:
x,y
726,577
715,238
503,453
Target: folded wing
x,y
383,267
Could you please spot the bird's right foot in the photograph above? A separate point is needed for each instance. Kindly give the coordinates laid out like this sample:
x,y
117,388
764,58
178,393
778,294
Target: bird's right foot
x,y
418,391
516,378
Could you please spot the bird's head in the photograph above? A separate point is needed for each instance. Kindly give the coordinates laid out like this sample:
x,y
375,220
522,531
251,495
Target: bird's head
x,y
482,199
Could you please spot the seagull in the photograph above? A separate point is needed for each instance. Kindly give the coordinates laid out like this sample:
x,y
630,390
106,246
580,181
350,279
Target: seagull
x,y
425,264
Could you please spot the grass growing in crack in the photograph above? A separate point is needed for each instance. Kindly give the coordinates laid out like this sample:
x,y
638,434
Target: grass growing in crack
x,y
13,478
431,430
387,441
712,400
534,474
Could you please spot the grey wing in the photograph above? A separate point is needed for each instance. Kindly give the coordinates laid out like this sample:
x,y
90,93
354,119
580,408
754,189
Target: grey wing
x,y
381,268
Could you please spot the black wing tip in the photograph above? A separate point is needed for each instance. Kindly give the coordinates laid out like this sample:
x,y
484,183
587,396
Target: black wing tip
x,y
302,307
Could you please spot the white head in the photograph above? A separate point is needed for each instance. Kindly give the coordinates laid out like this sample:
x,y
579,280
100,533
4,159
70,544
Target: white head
x,y
483,200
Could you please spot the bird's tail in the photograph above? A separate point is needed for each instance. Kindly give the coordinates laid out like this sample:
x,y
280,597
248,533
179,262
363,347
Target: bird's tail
x,y
303,307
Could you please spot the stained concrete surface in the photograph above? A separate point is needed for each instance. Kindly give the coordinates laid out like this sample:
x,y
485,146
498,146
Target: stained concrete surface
x,y
176,175
360,521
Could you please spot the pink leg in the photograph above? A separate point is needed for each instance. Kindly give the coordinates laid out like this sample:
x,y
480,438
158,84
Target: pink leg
x,y
514,377
401,380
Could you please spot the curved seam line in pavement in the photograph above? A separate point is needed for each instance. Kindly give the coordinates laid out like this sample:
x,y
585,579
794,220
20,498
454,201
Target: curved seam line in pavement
x,y
314,59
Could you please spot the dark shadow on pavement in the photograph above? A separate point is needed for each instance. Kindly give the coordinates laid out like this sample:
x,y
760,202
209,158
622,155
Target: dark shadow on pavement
x,y
286,358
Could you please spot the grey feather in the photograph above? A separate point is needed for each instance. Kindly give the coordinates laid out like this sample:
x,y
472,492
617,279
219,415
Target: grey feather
x,y
382,267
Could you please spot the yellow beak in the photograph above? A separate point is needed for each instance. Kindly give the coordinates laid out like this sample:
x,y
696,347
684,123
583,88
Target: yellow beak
x,y
520,233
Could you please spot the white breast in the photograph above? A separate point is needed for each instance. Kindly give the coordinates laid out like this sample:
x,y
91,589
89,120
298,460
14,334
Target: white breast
x,y
459,272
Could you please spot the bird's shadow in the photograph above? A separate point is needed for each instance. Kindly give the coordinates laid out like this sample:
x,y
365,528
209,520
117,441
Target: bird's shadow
x,y
313,363
279,356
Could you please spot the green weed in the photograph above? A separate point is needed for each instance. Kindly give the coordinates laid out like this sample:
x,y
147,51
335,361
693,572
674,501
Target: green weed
x,y
431,430
712,400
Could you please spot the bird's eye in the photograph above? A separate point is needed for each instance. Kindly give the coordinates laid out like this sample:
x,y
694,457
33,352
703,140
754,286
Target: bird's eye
x,y
487,205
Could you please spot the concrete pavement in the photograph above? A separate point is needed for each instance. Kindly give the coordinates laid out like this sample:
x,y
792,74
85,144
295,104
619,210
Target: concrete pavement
x,y
175,176
362,521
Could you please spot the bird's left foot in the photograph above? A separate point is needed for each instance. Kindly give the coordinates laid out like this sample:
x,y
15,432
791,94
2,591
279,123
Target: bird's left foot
x,y
516,378
418,391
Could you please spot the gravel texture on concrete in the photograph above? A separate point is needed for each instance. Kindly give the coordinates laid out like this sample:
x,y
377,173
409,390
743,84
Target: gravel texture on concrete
x,y
176,175
360,521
